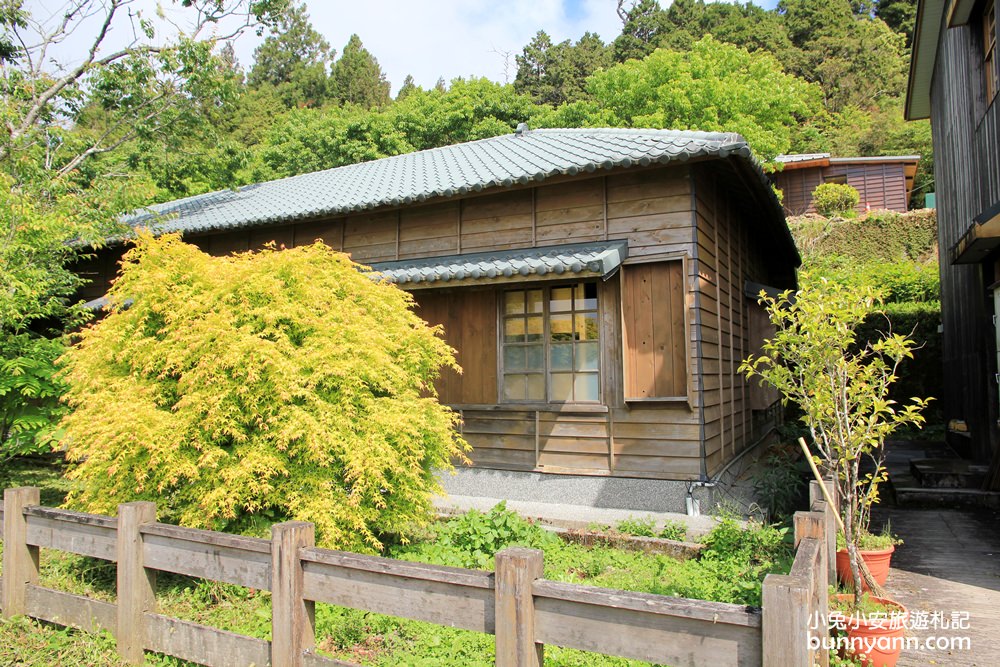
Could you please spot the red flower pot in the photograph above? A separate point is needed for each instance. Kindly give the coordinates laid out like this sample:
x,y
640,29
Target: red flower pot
x,y
877,562
877,641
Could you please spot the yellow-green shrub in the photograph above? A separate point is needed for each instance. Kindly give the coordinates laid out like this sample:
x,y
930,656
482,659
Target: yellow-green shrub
x,y
835,199
260,387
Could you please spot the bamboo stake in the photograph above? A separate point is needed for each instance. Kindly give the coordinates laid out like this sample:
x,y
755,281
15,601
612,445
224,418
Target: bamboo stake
x,y
873,586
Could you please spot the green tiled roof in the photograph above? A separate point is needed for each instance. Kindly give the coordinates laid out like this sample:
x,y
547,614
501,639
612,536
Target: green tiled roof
x,y
495,163
579,260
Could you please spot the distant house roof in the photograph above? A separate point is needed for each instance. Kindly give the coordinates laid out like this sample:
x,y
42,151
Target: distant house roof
x,y
802,160
504,161
801,157
598,259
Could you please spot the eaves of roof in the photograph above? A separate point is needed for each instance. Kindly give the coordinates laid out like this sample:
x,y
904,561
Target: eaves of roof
x,y
926,37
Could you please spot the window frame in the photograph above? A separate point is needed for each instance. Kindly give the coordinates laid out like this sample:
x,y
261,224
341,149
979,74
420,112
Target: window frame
x,y
546,315
987,20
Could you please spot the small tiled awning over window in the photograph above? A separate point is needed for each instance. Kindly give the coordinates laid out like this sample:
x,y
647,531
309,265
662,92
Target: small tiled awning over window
x,y
581,260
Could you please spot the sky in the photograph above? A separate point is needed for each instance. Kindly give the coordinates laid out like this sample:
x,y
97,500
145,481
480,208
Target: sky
x,y
428,39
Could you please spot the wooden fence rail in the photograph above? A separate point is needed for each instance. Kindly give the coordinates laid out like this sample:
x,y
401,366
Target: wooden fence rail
x,y
524,611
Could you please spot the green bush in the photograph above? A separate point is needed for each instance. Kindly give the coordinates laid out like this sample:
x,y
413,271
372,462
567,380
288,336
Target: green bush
x,y
240,391
923,374
902,281
473,539
779,482
835,199
881,236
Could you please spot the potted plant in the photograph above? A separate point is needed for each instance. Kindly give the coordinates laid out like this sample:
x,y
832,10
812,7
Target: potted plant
x,y
842,387
876,551
872,628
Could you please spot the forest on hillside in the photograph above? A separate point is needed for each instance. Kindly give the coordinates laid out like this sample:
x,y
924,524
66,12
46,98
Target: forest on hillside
x,y
808,76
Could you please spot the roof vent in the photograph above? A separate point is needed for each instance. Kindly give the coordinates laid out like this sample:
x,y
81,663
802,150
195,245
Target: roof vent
x,y
522,129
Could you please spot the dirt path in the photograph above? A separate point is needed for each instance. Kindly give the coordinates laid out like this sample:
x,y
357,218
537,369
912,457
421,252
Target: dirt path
x,y
949,564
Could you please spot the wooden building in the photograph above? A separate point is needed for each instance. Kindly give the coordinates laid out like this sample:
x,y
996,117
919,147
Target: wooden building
x,y
954,81
883,183
599,285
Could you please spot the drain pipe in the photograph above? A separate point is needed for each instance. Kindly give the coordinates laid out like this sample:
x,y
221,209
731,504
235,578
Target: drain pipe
x,y
693,504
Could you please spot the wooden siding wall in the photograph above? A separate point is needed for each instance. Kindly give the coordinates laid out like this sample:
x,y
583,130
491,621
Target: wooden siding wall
x,y
654,210
728,255
796,187
880,186
967,169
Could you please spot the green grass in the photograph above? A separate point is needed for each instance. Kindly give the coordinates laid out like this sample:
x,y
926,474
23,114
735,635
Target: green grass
x,y
731,568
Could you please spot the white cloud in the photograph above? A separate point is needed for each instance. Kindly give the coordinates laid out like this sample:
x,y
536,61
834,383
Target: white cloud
x,y
452,37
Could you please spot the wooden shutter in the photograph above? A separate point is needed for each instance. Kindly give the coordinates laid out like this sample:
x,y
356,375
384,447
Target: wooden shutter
x,y
762,394
655,347
469,318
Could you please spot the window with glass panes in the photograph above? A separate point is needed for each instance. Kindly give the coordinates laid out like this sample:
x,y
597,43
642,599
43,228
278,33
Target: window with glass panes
x,y
551,344
991,67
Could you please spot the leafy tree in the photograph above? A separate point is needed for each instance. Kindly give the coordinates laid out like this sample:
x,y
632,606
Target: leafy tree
x,y
748,26
557,73
644,25
308,140
536,75
713,87
469,109
863,67
899,15
61,191
407,88
34,287
261,387
357,77
842,388
294,60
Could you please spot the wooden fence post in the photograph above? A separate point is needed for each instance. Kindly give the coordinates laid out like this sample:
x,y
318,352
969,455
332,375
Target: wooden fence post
x,y
814,525
20,561
293,618
818,503
136,583
516,571
785,621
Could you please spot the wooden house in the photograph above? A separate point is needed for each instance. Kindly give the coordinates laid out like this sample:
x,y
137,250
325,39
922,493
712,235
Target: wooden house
x,y
883,183
954,81
599,285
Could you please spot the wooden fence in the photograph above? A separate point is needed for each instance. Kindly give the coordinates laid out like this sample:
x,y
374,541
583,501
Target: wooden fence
x,y
524,611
